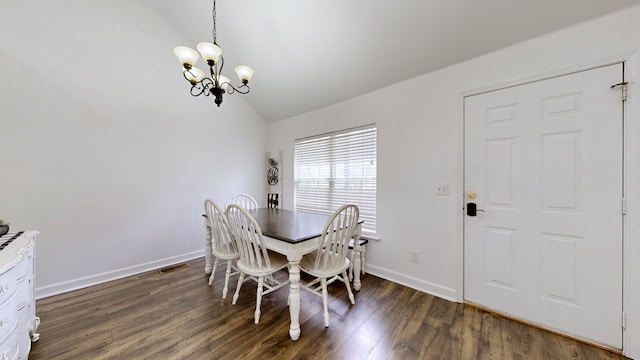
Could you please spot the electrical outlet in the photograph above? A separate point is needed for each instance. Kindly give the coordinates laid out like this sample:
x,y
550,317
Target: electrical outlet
x,y
442,189
415,256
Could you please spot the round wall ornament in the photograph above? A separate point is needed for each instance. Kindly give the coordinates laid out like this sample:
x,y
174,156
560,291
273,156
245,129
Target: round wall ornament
x,y
272,175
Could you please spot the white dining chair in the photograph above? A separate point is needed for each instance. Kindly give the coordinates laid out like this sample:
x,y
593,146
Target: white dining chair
x,y
223,247
244,200
330,260
255,260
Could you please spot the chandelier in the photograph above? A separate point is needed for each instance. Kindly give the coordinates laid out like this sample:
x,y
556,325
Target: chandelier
x,y
217,84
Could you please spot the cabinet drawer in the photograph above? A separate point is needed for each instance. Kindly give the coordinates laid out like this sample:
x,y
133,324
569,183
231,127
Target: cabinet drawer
x,y
22,268
23,291
8,284
24,344
9,347
8,318
23,316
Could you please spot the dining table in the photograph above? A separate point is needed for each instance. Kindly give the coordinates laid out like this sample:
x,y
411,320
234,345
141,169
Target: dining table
x,y
294,234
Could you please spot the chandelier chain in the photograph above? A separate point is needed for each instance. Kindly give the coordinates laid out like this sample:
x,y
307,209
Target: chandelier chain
x,y
213,32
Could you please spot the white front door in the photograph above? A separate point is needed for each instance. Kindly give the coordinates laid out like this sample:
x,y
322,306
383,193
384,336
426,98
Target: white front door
x,y
543,161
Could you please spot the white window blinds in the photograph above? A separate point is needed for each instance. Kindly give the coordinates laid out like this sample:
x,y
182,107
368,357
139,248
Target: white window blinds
x,y
336,169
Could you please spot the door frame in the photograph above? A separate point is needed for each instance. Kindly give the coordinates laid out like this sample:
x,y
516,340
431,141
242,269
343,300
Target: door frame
x,y
631,175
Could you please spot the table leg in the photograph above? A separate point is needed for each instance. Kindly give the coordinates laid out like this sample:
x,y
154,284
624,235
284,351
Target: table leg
x,y
294,299
207,248
357,261
357,264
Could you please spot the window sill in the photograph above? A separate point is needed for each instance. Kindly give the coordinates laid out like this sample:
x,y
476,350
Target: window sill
x,y
370,236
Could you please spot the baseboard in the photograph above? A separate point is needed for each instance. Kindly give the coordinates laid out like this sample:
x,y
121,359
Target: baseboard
x,y
414,283
66,286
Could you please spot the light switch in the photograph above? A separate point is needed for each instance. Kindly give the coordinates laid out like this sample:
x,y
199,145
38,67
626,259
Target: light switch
x,y
442,189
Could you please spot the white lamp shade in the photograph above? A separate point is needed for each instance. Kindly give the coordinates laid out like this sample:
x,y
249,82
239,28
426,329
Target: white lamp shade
x,y
244,73
186,55
224,82
209,51
194,74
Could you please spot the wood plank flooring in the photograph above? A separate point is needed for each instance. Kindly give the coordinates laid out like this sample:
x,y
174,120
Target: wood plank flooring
x,y
178,316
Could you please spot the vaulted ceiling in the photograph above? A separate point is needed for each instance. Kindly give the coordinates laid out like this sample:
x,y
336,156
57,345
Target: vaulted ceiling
x,y
309,54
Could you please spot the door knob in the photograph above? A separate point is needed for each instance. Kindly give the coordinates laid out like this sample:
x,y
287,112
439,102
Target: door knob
x,y
472,209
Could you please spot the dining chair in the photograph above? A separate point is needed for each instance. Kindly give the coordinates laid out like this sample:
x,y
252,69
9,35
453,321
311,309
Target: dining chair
x,y
223,247
330,260
244,200
255,260
272,200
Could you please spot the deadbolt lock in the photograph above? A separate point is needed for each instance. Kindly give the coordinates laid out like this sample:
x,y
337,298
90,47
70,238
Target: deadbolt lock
x,y
471,195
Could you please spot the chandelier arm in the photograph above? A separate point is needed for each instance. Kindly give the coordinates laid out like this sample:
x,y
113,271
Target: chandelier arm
x,y
204,86
197,89
208,85
242,89
229,88
213,71
221,63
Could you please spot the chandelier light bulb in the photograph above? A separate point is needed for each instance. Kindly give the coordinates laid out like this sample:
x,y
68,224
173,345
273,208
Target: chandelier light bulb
x,y
194,74
186,55
244,73
209,51
224,82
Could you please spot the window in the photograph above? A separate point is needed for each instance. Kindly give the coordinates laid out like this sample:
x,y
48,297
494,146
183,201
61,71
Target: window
x,y
336,169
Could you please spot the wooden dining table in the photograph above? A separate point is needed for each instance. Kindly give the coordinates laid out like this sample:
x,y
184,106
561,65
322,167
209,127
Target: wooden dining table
x,y
294,234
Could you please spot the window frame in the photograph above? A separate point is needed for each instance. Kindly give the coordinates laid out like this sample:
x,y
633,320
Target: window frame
x,y
342,166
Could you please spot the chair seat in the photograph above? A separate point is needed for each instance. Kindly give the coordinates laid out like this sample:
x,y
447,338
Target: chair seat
x,y
277,261
224,254
307,264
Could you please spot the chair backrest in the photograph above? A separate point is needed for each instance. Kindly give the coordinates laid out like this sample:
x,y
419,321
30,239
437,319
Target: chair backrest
x,y
272,200
248,237
334,242
244,200
221,237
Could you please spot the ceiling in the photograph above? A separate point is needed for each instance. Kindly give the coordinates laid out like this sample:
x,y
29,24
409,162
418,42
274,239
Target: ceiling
x,y
309,54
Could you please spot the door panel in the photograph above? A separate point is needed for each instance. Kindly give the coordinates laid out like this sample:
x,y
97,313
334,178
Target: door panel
x,y
545,162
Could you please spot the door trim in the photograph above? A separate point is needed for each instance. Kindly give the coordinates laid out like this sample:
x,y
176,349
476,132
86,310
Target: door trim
x,y
631,175
610,60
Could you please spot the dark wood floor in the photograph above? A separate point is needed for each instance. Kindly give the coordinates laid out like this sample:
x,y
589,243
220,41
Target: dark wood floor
x,y
177,316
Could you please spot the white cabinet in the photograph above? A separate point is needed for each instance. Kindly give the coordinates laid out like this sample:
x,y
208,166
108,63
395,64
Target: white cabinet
x,y
18,320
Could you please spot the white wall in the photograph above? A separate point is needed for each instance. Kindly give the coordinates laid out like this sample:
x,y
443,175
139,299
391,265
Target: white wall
x,y
103,150
420,144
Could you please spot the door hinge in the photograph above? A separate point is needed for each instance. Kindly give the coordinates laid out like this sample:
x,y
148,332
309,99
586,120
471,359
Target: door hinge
x,y
624,320
624,86
624,206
